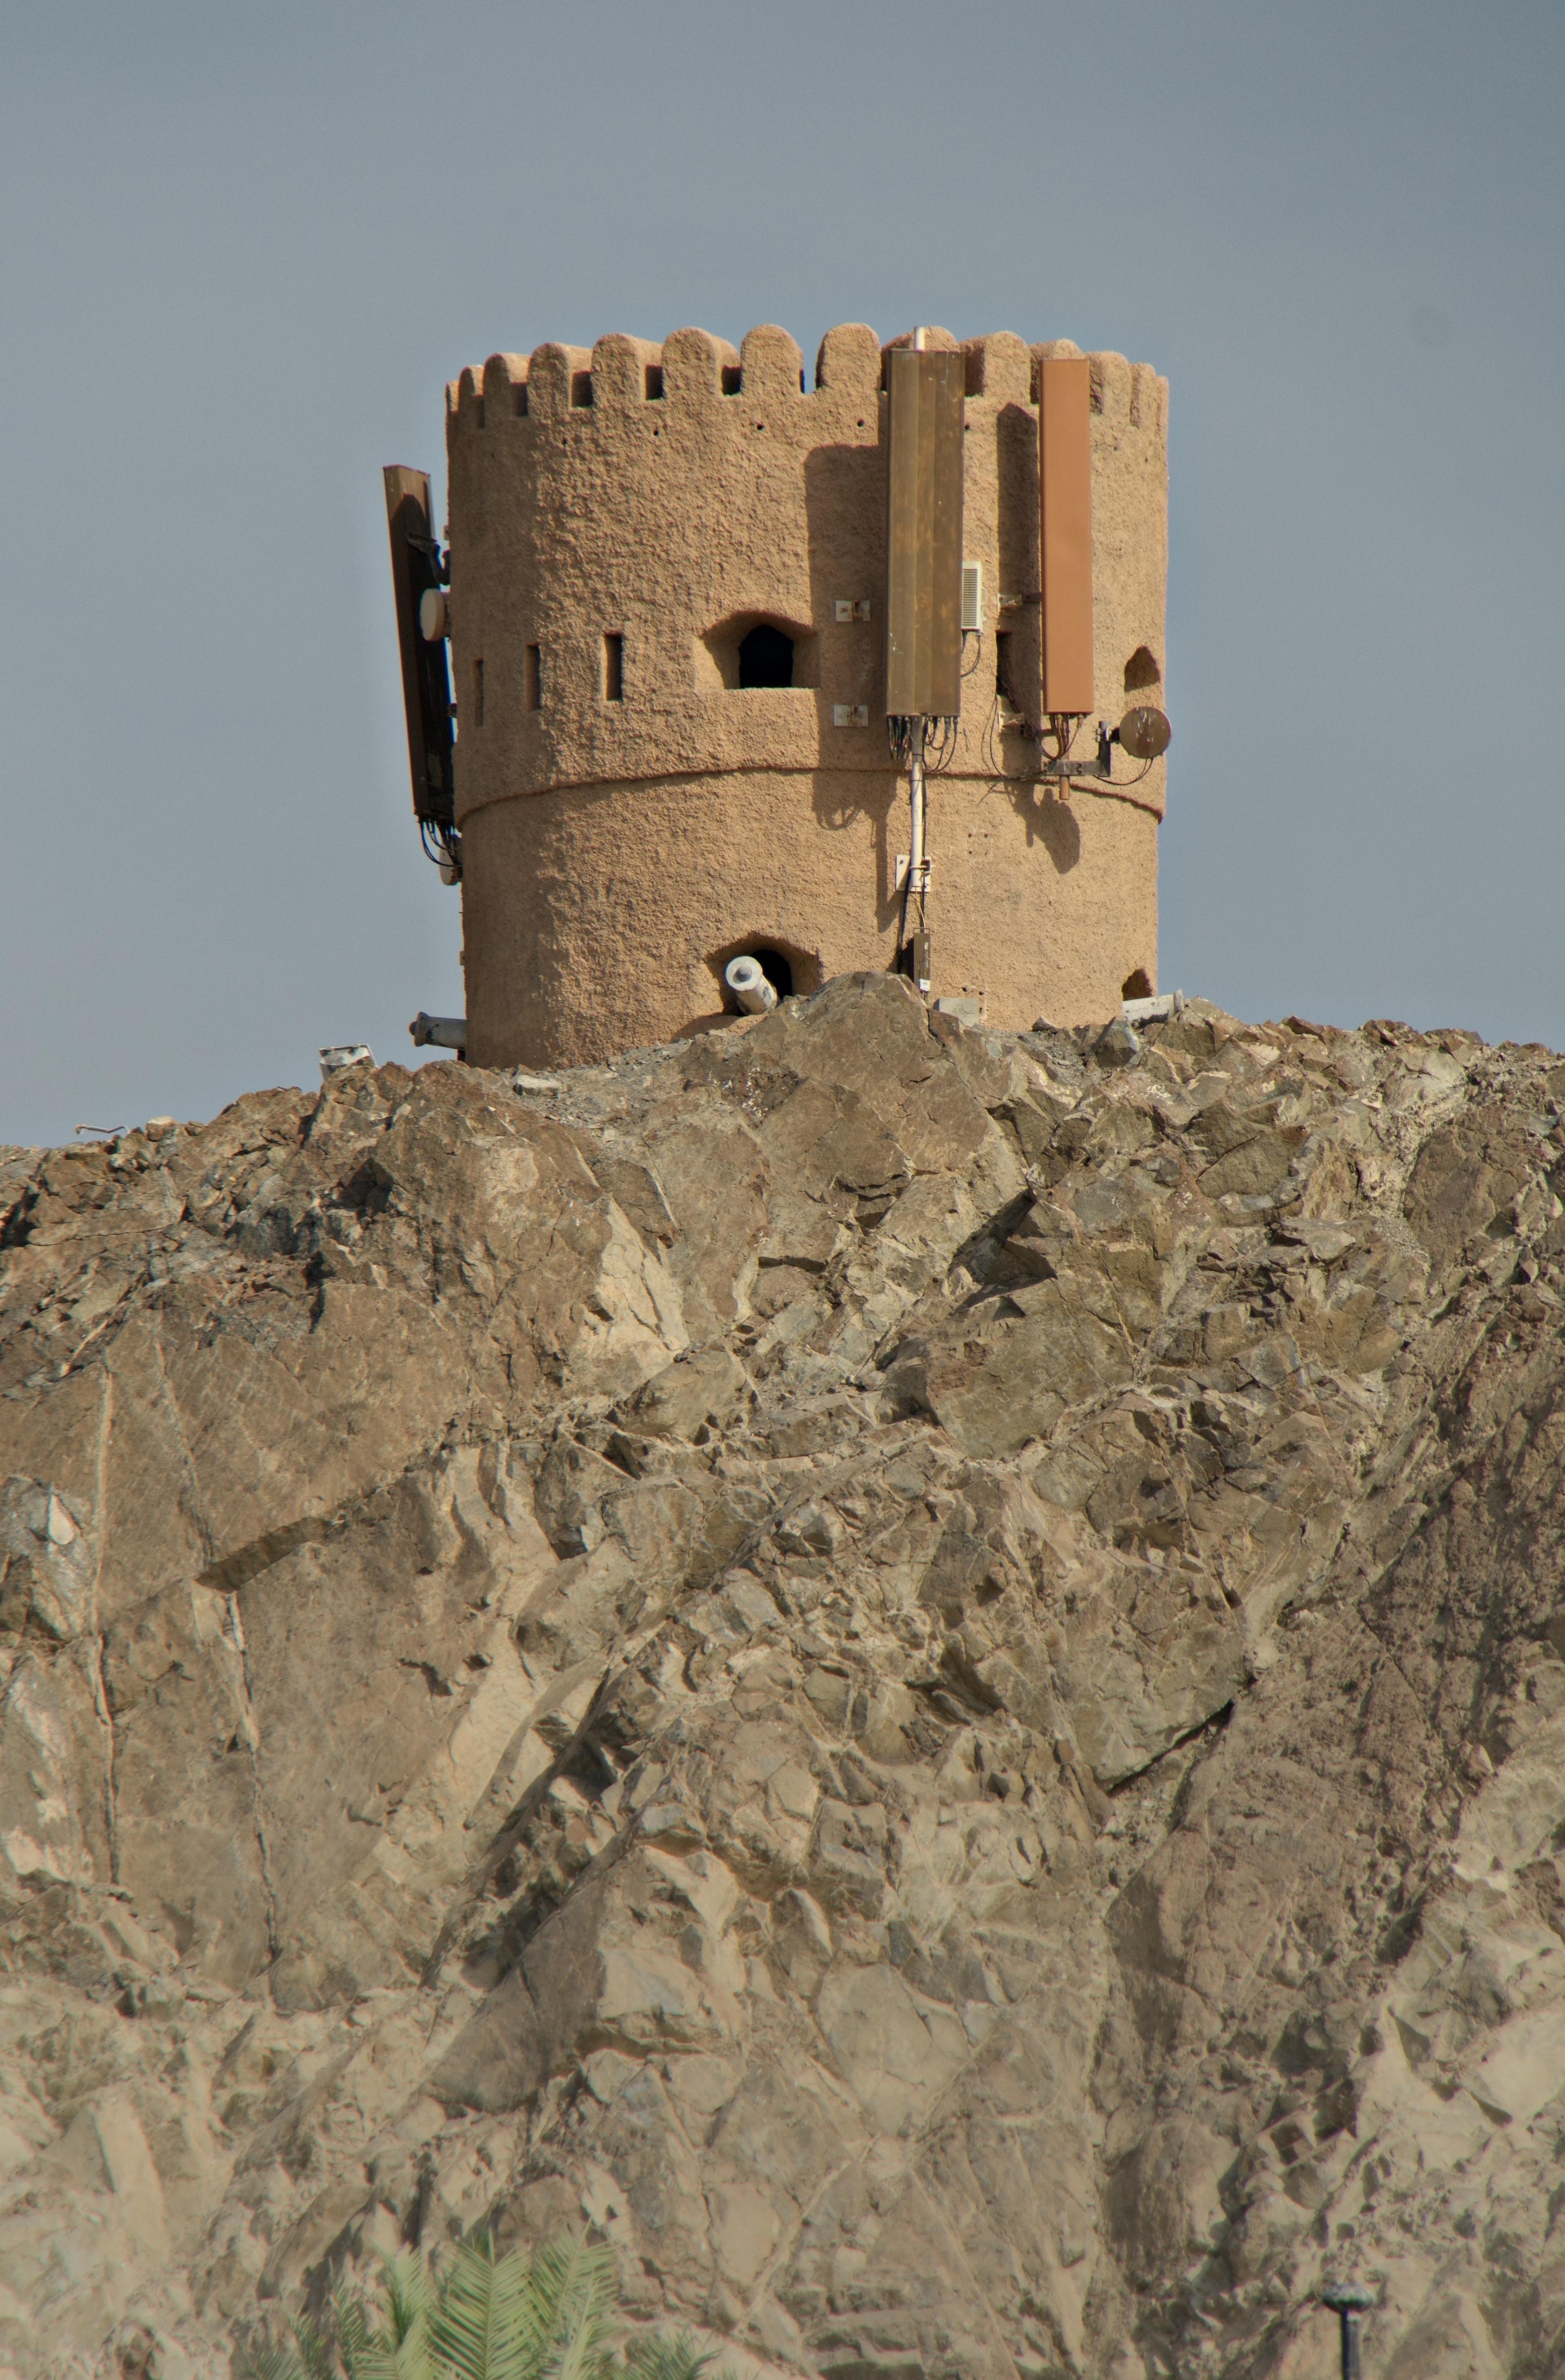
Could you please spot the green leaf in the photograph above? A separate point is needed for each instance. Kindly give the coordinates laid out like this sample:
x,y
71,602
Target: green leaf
x,y
271,2363
307,2359
551,2316
367,2354
655,2356
583,2282
409,2298
468,2317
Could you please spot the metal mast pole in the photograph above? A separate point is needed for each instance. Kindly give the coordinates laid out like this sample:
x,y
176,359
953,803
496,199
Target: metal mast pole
x,y
918,881
923,597
918,865
1348,2304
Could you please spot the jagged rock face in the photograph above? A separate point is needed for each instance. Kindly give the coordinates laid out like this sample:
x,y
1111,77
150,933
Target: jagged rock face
x,y
921,1672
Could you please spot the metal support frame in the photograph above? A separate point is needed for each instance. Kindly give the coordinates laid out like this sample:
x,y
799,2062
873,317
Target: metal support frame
x,y
916,890
926,394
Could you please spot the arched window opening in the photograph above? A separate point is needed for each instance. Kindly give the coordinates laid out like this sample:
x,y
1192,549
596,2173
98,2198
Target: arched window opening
x,y
766,657
750,648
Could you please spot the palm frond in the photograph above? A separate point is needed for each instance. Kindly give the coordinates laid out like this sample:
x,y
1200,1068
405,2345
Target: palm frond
x,y
318,2362
551,2315
654,2355
409,2298
469,2314
587,2300
579,2285
272,2361
308,2358
366,2353
525,2316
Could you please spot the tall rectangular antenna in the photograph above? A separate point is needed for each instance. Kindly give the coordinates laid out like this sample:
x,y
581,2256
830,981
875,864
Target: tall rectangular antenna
x,y
1064,479
425,680
924,539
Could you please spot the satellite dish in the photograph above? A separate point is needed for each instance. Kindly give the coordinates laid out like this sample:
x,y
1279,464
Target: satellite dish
x,y
432,615
1145,731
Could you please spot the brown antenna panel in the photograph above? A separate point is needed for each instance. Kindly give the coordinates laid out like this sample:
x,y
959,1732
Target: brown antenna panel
x,y
923,533
1065,477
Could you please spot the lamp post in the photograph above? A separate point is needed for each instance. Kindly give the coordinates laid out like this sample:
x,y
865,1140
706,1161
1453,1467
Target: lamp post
x,y
1348,2303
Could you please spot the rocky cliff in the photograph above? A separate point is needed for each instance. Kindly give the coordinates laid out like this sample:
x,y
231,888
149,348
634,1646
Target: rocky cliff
x,y
919,1672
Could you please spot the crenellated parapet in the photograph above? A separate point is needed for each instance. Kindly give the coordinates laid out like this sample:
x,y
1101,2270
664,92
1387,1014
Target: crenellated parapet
x,y
850,360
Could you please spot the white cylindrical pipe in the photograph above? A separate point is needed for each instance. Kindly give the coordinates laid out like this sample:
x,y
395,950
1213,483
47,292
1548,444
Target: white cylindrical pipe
x,y
915,823
747,983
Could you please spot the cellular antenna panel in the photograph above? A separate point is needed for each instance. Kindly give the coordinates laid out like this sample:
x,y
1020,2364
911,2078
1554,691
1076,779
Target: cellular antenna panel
x,y
426,678
1065,477
926,391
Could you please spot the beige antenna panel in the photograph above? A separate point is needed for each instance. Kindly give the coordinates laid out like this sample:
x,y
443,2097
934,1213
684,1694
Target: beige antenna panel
x,y
1065,477
924,541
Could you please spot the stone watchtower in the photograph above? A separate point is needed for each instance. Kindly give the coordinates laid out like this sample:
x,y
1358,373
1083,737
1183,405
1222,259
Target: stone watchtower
x,y
667,612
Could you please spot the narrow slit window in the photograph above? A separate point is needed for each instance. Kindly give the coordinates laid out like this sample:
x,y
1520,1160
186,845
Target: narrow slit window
x,y
733,380
581,388
613,669
654,382
478,694
521,397
532,678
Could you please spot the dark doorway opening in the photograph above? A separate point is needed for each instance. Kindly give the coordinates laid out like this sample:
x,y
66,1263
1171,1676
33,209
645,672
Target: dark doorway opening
x,y
766,657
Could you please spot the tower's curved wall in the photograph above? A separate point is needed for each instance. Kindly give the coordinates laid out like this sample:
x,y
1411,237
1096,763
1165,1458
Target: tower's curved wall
x,y
630,817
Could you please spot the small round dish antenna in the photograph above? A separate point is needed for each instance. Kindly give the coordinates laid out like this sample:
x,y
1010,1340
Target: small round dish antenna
x,y
1145,731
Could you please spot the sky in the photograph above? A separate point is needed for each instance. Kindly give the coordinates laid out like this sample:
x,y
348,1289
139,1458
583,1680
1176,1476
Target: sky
x,y
243,247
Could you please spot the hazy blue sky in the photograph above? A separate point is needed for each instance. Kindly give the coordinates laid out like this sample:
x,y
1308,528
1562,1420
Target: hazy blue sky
x,y
243,247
